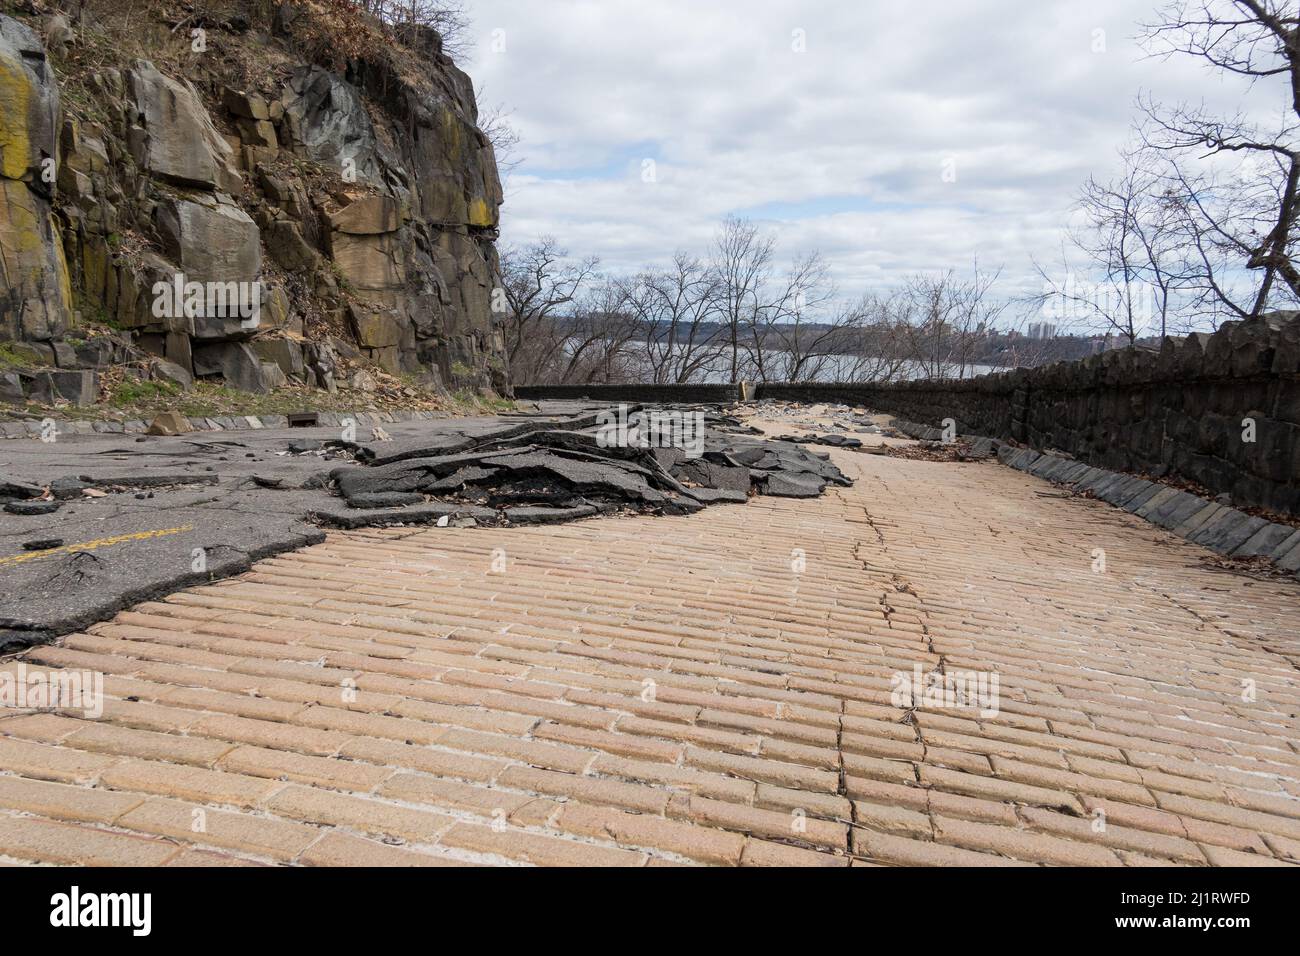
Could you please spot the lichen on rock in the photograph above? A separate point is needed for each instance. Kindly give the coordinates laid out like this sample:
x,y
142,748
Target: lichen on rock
x,y
35,295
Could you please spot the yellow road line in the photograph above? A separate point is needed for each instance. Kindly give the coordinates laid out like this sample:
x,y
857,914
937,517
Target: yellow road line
x,y
92,545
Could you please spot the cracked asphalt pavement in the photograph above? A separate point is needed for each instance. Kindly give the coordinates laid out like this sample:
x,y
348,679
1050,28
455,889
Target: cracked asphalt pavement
x,y
178,511
123,519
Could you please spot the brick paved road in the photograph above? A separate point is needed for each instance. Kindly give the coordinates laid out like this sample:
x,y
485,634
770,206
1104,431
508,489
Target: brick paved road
x,y
714,689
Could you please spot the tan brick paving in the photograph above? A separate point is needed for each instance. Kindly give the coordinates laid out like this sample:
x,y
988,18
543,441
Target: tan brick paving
x,y
656,691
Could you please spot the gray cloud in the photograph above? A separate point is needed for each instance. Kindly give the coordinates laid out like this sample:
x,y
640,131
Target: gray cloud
x,y
839,148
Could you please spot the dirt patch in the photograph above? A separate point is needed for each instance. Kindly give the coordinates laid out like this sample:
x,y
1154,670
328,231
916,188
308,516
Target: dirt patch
x,y
929,451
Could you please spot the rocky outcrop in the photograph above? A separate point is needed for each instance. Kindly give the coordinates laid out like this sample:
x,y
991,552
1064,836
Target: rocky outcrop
x,y
237,364
312,217
213,242
414,240
170,134
411,233
326,120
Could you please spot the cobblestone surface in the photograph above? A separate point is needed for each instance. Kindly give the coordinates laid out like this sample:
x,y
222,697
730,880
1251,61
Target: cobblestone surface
x,y
713,689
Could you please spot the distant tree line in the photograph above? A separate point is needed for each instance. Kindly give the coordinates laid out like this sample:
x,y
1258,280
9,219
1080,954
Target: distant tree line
x,y
734,314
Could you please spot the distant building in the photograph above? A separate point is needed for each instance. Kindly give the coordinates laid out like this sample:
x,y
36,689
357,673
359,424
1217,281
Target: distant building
x,y
1042,330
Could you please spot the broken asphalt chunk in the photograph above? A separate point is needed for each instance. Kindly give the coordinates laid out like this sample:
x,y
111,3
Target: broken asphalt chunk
x,y
32,508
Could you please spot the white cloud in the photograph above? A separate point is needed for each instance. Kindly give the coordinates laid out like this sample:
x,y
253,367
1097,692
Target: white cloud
x,y
840,148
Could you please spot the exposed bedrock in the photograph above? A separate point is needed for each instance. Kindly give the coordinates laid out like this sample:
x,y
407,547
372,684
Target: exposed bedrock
x,y
358,196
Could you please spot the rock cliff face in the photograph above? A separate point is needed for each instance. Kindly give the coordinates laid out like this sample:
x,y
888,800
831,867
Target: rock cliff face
x,y
35,298
234,205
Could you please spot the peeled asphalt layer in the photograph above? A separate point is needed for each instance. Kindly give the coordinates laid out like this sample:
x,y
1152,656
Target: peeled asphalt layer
x,y
208,520
165,513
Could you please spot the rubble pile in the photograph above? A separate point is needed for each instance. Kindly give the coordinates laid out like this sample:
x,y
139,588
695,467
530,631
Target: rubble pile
x,y
549,472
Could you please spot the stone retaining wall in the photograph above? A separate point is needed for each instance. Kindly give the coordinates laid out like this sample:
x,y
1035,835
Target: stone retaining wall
x,y
632,393
1190,409
1221,409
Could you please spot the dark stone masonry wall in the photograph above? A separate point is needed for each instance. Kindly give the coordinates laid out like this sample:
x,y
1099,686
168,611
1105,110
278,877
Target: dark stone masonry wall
x,y
632,393
1177,412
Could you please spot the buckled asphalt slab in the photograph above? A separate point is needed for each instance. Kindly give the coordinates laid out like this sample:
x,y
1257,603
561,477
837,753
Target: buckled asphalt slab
x,y
135,518
201,488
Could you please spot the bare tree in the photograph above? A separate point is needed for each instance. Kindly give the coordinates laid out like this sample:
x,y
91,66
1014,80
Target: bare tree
x,y
448,17
742,259
676,309
774,329
600,338
921,309
538,282
494,123
734,317
1132,247
872,349
975,310
1236,181
793,336
944,318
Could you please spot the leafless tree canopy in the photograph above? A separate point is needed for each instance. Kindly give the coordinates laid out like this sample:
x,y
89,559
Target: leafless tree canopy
x,y
1200,223
448,17
942,317
494,122
1129,253
539,287
742,259
731,316
675,311
1232,182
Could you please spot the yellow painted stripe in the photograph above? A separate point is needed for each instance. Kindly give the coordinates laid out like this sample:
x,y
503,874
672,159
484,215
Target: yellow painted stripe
x,y
92,545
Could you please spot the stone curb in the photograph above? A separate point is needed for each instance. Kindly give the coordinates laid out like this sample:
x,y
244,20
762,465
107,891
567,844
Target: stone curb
x,y
32,428
1220,528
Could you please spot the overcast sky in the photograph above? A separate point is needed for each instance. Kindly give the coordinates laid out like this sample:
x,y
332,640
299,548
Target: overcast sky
x,y
841,146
